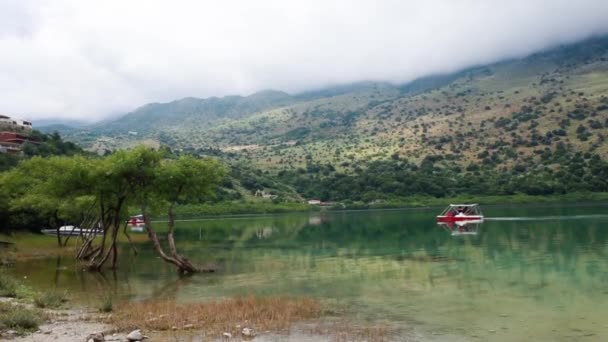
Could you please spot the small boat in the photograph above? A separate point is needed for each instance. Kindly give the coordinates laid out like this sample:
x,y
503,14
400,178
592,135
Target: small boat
x,y
137,223
71,231
136,220
461,212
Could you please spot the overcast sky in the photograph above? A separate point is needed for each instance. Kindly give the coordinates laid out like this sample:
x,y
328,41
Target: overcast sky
x,y
90,59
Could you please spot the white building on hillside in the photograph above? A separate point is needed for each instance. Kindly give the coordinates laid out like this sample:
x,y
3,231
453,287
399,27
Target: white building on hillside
x,y
8,121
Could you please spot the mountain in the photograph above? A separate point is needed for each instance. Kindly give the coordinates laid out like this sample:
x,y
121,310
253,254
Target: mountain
x,y
155,117
501,115
65,126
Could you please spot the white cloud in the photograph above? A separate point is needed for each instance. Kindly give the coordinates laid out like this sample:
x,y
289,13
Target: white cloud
x,y
84,59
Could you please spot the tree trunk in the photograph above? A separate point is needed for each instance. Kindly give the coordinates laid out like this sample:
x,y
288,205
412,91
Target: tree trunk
x,y
104,227
124,230
114,237
115,225
183,265
57,226
171,229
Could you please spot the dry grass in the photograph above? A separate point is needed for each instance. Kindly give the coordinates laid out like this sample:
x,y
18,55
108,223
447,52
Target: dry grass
x,y
230,315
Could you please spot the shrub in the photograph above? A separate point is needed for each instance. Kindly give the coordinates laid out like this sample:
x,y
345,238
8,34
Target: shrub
x,y
19,318
106,304
8,285
51,300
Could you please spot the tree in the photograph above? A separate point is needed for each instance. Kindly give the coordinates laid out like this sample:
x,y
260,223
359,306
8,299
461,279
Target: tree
x,y
175,181
49,188
97,192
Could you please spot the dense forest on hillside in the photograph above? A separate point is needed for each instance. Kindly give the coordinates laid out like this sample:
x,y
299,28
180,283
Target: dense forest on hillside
x,y
398,179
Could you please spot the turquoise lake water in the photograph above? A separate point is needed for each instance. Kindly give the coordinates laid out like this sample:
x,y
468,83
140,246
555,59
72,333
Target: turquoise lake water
x,y
526,273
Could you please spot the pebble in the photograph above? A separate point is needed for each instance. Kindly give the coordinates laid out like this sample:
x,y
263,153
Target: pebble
x,y
96,337
135,335
248,332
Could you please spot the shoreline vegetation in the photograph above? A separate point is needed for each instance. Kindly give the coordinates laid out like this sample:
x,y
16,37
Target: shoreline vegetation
x,y
29,315
230,315
22,309
241,208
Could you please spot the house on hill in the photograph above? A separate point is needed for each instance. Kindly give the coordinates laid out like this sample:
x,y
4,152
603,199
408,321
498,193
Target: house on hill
x,y
11,142
11,123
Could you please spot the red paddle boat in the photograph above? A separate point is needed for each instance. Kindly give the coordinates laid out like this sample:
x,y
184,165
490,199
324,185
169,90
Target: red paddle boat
x,y
461,212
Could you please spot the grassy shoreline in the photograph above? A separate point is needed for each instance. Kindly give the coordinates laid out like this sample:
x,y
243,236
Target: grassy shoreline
x,y
265,208
45,316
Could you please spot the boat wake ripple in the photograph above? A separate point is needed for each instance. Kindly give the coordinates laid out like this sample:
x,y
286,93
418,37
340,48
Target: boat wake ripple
x,y
546,218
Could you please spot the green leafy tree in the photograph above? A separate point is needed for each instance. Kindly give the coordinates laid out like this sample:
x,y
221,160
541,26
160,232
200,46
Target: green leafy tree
x,y
97,192
178,180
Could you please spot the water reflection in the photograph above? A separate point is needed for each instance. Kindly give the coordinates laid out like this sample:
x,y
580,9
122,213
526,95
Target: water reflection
x,y
524,280
263,233
459,228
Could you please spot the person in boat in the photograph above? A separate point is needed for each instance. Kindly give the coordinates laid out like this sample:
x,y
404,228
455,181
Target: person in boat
x,y
460,211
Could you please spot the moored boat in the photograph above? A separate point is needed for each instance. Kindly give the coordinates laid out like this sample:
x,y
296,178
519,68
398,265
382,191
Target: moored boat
x,y
460,212
71,231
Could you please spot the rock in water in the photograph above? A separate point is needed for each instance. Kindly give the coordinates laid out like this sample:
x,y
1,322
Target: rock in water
x,y
135,335
248,333
227,335
96,337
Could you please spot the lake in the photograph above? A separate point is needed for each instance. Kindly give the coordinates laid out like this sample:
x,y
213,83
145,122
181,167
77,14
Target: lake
x,y
525,273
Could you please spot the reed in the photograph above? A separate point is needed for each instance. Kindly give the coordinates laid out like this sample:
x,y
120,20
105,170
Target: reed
x,y
217,317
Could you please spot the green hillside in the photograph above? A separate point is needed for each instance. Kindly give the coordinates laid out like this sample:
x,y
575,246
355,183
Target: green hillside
x,y
165,121
527,116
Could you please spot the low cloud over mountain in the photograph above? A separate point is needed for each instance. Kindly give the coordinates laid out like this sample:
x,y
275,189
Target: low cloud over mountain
x,y
77,59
